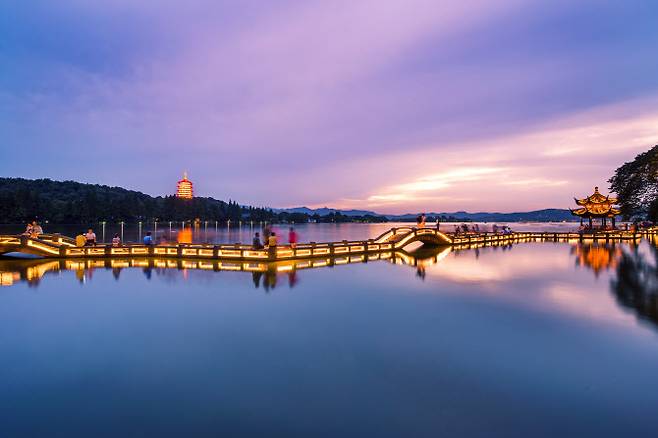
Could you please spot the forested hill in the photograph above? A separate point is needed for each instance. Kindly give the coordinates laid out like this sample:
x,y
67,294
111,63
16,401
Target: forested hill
x,y
73,202
69,202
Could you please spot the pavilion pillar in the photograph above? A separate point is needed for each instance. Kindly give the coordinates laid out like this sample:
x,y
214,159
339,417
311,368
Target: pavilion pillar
x,y
613,223
590,222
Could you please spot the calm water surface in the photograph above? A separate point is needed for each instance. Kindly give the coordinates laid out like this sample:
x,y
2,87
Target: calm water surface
x,y
537,339
209,232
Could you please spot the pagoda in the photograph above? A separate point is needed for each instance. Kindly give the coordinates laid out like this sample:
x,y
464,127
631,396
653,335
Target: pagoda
x,y
185,188
597,206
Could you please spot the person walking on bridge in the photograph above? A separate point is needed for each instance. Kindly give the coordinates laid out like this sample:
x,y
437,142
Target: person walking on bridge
x,y
116,240
148,239
292,238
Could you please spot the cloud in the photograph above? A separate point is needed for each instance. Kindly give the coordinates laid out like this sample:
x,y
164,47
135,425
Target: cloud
x,y
515,172
346,102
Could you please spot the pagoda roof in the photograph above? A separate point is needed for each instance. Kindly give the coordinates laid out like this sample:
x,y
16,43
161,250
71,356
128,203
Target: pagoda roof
x,y
596,210
596,198
596,206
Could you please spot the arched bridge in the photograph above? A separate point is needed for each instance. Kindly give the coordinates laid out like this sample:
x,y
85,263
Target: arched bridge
x,y
404,236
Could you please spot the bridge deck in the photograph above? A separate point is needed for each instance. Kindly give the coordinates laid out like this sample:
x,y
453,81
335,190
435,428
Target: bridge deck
x,y
396,239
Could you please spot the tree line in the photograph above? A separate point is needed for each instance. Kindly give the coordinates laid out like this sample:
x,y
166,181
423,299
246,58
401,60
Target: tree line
x,y
70,202
636,185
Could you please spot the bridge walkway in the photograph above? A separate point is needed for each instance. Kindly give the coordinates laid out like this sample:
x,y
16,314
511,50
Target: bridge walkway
x,y
395,239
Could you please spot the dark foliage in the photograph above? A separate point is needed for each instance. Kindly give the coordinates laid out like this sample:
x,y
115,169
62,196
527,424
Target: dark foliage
x,y
71,202
636,284
636,184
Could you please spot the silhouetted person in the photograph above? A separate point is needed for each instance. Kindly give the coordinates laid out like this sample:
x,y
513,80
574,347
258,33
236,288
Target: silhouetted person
x,y
148,239
256,276
292,279
256,242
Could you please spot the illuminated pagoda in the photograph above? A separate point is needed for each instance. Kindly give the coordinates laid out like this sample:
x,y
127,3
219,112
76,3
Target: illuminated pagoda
x,y
597,206
185,188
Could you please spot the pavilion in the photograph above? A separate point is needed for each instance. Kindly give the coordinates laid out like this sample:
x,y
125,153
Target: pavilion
x,y
597,206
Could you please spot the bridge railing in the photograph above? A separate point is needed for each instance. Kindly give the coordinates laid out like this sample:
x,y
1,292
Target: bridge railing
x,y
54,245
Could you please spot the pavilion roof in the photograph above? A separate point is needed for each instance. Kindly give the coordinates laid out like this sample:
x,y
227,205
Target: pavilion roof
x,y
596,206
596,198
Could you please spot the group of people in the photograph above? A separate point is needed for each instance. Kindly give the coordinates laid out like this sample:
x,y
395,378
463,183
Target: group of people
x,y
475,229
271,240
465,229
89,239
33,229
86,239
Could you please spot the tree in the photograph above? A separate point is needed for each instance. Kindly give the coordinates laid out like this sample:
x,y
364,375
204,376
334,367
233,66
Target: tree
x,y
636,184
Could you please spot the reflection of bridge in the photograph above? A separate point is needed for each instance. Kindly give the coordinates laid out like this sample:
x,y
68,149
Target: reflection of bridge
x,y
32,270
396,239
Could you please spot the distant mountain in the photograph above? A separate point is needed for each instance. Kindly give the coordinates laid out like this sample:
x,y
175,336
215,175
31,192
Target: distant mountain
x,y
546,215
325,211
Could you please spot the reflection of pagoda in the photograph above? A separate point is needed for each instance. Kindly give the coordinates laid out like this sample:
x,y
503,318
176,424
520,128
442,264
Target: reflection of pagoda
x,y
597,206
185,188
597,257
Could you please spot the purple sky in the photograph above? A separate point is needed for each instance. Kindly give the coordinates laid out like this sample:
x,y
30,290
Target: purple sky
x,y
393,106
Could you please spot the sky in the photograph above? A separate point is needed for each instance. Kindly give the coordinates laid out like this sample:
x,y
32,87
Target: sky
x,y
393,106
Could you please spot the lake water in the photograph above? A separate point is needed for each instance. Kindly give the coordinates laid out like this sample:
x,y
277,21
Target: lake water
x,y
529,340
211,232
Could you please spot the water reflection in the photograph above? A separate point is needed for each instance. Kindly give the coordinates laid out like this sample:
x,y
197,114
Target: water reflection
x,y
632,269
264,274
636,282
597,257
